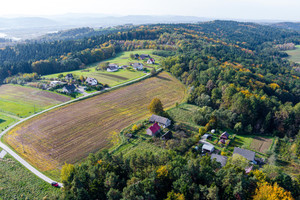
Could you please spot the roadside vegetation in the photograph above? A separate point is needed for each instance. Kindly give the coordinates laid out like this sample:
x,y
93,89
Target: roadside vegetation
x,y
16,182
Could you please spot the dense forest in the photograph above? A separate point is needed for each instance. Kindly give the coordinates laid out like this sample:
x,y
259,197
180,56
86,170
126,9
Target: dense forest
x,y
235,74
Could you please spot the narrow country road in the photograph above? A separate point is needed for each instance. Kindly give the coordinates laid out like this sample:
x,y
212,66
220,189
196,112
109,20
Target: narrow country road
x,y
25,163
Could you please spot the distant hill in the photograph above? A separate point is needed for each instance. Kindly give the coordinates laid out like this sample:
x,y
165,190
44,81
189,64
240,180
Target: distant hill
x,y
288,25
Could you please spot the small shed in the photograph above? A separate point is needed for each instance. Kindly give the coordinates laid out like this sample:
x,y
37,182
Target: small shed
x,y
207,136
168,135
224,136
208,148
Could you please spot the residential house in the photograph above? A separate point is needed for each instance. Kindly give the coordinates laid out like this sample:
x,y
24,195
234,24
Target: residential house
x,y
91,81
224,136
55,83
208,148
162,121
153,130
151,61
69,77
70,88
136,56
249,155
138,66
219,158
168,135
112,68
143,56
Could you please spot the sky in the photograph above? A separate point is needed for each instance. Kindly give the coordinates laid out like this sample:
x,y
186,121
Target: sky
x,y
287,10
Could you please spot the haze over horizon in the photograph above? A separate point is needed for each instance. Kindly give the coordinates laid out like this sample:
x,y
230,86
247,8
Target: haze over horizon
x,y
276,10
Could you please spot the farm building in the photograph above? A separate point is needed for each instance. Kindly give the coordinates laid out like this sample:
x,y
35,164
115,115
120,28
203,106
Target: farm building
x,y
249,155
151,61
162,121
69,76
91,81
206,136
112,68
167,135
224,136
143,56
219,158
153,130
208,148
55,83
138,66
69,88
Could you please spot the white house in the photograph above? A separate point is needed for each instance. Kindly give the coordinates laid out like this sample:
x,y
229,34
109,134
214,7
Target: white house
x,y
112,68
138,66
91,81
151,61
55,83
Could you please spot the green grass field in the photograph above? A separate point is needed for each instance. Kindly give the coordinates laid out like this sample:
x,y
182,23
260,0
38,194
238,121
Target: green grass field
x,y
6,121
294,55
113,78
16,182
24,101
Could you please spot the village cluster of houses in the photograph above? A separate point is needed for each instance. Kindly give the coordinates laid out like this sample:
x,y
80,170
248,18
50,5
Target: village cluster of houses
x,y
71,88
209,148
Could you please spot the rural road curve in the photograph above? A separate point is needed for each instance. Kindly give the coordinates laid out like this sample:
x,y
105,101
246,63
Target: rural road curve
x,y
25,163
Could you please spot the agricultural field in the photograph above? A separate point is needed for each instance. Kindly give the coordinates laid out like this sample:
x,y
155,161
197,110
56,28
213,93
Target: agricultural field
x,y
113,78
259,144
24,101
70,133
6,121
294,55
16,182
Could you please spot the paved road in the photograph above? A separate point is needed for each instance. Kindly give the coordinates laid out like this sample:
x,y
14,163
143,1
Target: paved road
x,y
26,164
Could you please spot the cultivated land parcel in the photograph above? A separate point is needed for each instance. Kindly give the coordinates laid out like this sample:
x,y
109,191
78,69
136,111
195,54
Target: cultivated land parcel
x,y
70,133
24,101
294,55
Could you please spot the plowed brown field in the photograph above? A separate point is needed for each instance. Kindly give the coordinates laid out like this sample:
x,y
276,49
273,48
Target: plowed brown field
x,y
70,133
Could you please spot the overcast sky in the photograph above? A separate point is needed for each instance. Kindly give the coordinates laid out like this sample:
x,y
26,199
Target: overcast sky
x,y
223,9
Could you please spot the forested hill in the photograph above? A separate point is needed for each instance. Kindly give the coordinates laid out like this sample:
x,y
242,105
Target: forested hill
x,y
288,25
234,69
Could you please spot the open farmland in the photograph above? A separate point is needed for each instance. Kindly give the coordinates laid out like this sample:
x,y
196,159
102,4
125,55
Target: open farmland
x,y
70,133
294,55
22,101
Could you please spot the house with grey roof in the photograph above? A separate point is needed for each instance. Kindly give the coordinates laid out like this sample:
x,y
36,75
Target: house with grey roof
x,y
162,121
208,148
138,66
112,68
69,88
249,155
219,158
91,81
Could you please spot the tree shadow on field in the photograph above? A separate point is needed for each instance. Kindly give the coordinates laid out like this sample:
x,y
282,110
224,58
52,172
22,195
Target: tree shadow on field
x,y
2,121
163,78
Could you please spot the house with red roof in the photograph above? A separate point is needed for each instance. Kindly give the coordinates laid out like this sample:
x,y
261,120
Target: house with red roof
x,y
153,130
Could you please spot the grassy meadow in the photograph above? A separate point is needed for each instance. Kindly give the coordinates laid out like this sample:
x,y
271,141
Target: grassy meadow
x,y
70,133
113,78
16,182
294,55
6,121
23,101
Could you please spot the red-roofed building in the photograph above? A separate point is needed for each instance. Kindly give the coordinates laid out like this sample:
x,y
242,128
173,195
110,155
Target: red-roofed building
x,y
153,130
